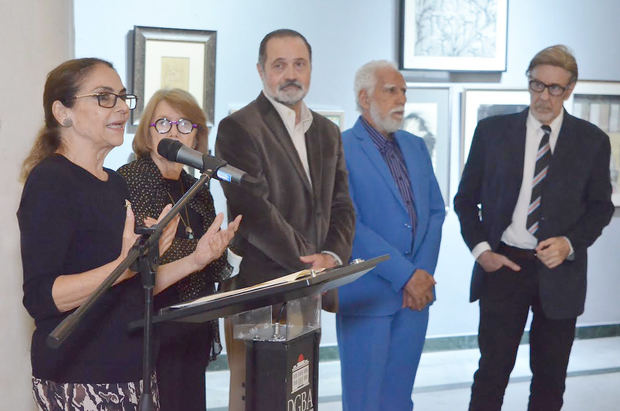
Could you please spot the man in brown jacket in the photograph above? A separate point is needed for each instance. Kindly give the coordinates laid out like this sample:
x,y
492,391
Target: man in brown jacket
x,y
299,215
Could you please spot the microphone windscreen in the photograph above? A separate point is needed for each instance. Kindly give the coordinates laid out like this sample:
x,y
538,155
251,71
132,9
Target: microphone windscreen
x,y
169,148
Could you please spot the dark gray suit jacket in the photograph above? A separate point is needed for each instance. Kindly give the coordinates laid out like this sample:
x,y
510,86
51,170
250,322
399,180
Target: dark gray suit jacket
x,y
284,216
576,200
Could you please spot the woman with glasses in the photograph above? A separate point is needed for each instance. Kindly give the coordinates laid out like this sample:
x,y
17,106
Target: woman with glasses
x,y
75,229
153,182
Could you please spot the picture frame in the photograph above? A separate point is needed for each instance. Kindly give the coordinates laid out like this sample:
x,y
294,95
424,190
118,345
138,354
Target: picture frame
x,y
599,103
481,103
453,35
427,115
336,116
174,58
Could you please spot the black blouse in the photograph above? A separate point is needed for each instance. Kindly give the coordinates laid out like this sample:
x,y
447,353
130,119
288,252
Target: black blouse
x,y
71,222
149,193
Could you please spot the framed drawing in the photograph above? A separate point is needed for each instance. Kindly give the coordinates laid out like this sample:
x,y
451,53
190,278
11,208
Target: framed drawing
x,y
427,115
479,104
599,103
174,58
453,35
336,116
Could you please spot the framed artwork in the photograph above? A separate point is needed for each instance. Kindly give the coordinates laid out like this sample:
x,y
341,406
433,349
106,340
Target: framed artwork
x,y
174,58
453,35
599,103
479,104
337,117
427,115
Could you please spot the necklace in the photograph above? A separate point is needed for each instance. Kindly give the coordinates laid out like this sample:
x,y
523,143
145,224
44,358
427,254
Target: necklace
x,y
188,228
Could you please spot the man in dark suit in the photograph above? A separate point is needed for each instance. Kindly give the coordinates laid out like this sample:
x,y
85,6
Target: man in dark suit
x,y
299,215
534,195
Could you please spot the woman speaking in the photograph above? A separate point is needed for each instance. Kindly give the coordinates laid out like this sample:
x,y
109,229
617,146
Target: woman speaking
x,y
75,229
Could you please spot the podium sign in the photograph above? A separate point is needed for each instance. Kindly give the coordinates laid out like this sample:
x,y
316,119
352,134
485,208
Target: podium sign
x,y
283,375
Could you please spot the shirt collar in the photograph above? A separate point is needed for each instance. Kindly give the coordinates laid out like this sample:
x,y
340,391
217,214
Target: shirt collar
x,y
287,114
555,124
379,139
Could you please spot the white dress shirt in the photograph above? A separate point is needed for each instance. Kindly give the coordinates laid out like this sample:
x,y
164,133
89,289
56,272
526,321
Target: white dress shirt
x,y
297,131
516,233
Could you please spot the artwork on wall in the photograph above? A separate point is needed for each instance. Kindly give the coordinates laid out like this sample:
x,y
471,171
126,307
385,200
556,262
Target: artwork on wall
x,y
427,115
174,58
479,104
599,103
453,35
336,116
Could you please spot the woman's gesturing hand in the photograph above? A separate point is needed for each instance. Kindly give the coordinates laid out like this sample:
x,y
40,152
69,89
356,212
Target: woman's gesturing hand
x,y
168,234
213,243
129,238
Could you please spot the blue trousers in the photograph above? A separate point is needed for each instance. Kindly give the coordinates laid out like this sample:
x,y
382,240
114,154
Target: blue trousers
x,y
379,357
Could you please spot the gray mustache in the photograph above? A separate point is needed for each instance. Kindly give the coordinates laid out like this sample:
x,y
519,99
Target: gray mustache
x,y
291,83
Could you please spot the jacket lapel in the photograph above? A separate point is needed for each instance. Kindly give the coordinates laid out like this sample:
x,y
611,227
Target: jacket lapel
x,y
417,173
566,155
512,147
282,137
564,149
315,157
376,160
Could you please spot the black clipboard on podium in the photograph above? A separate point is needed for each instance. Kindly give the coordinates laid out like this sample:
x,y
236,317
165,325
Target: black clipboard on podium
x,y
293,286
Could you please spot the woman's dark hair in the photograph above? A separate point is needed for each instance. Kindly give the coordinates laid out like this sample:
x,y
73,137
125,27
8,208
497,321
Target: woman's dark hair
x,y
62,84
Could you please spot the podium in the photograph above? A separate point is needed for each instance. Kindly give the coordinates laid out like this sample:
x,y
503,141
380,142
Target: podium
x,y
282,352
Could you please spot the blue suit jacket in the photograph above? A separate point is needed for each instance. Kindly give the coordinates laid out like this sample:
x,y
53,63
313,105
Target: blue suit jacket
x,y
382,223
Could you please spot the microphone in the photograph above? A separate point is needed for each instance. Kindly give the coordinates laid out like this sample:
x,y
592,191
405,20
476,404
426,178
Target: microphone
x,y
174,150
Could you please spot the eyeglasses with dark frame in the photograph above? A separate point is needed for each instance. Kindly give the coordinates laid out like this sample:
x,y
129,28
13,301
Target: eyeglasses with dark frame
x,y
107,99
538,86
163,125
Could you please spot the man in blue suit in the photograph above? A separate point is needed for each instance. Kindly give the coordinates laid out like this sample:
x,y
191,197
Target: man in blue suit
x,y
382,317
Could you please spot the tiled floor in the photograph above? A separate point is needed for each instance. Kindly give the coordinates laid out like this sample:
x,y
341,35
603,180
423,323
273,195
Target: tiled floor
x,y
444,378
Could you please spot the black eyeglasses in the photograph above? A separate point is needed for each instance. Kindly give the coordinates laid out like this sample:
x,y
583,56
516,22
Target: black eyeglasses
x,y
538,86
163,125
107,99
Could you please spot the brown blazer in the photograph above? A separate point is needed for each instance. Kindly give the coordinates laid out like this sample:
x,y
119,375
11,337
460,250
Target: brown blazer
x,y
284,216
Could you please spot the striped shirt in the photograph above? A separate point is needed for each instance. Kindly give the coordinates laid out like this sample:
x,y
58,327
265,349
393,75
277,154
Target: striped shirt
x,y
390,151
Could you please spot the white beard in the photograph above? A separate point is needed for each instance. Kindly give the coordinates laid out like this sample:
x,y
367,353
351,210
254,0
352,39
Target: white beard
x,y
387,123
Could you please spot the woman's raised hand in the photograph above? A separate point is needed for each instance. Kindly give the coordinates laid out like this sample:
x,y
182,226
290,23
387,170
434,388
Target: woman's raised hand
x,y
129,238
213,243
165,240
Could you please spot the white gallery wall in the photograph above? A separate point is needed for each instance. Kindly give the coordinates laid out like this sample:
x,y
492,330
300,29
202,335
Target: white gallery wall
x,y
36,36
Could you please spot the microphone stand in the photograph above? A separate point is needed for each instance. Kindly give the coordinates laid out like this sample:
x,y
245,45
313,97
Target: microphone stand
x,y
145,254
